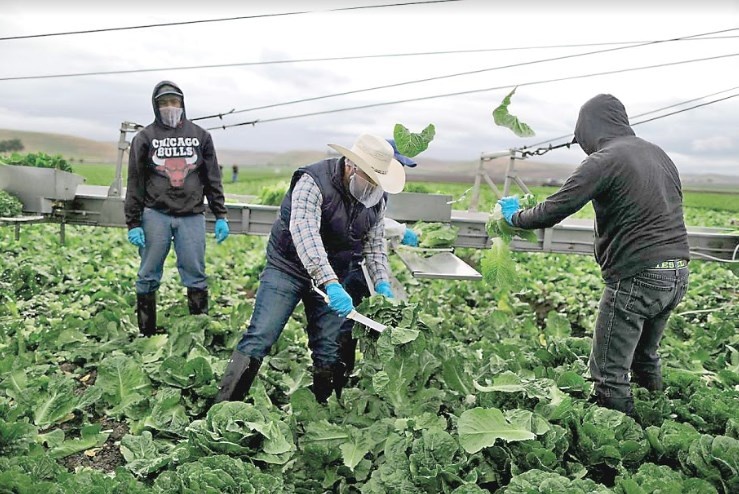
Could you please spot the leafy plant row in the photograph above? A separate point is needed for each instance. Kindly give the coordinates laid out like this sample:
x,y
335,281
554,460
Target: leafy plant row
x,y
466,392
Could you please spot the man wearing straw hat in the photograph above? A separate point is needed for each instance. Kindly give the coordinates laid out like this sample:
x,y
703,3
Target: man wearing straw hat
x,y
331,215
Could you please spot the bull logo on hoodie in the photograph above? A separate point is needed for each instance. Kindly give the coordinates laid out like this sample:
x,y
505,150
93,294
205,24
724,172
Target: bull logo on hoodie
x,y
177,169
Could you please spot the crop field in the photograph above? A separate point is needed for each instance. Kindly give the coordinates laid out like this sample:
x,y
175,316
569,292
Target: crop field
x,y
469,390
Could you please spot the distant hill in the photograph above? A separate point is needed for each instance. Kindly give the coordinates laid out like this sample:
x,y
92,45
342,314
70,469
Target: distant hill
x,y
68,146
81,150
90,151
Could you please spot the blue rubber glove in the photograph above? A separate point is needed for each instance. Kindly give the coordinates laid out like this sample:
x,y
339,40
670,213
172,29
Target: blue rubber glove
x,y
338,300
509,205
136,236
410,238
384,289
221,230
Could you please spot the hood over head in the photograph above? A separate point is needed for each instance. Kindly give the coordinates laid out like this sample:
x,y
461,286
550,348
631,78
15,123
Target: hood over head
x,y
601,118
162,88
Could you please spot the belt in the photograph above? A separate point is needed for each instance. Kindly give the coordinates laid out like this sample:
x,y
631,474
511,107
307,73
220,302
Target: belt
x,y
672,264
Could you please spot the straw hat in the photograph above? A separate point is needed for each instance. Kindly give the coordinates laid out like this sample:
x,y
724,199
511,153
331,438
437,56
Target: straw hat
x,y
374,156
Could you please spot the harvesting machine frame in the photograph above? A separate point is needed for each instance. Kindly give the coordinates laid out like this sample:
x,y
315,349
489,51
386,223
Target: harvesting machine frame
x,y
50,195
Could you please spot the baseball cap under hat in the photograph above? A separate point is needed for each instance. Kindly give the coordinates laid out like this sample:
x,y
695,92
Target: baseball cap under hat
x,y
402,159
166,89
375,157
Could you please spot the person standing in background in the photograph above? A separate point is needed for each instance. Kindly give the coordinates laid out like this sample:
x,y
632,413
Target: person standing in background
x,y
172,166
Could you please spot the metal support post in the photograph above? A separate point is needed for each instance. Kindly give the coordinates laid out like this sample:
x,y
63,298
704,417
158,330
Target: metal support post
x,y
511,175
483,174
116,187
475,199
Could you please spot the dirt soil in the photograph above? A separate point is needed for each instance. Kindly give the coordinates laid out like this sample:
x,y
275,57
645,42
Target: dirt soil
x,y
108,457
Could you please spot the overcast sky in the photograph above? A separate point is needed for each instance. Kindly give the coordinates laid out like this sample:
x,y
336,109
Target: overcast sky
x,y
703,140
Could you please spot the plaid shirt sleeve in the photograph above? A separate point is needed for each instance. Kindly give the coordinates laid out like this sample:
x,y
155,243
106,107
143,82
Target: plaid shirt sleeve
x,y
305,228
375,250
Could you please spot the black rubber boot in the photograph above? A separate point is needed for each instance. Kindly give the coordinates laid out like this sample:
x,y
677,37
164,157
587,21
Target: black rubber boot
x,y
347,351
341,377
328,379
146,313
347,356
323,383
197,300
649,382
625,405
238,378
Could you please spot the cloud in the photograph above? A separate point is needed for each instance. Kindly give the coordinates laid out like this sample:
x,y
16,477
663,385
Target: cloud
x,y
94,106
714,144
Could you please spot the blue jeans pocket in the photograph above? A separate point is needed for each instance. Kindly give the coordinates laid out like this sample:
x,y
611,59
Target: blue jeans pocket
x,y
650,293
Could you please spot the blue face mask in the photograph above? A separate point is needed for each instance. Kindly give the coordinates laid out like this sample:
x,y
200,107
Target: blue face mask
x,y
171,115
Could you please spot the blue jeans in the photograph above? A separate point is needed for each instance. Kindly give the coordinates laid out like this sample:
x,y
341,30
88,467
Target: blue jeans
x,y
277,296
356,286
632,316
188,234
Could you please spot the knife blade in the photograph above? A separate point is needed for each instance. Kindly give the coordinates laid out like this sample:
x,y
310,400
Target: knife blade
x,y
356,316
370,323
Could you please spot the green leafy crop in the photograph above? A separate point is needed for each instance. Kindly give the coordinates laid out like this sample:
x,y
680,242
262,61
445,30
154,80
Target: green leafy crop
x,y
39,160
272,195
410,144
504,119
435,235
498,267
9,205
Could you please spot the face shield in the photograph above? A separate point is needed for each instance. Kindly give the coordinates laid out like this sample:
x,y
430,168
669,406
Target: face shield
x,y
362,189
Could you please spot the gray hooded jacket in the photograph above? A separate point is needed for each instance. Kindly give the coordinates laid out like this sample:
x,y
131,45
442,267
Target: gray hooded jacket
x,y
172,169
635,189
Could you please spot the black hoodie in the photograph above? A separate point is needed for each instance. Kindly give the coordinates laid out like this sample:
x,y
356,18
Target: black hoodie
x,y
635,189
171,169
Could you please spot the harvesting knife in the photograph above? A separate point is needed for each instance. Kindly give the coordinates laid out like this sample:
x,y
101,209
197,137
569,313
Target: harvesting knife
x,y
356,316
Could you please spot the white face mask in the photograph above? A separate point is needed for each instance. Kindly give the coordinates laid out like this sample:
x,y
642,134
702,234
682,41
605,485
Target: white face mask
x,y
363,191
171,115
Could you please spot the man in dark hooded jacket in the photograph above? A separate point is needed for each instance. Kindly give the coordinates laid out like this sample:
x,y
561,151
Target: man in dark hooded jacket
x,y
172,166
641,244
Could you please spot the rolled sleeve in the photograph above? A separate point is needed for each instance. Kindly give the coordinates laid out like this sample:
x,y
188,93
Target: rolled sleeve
x,y
305,228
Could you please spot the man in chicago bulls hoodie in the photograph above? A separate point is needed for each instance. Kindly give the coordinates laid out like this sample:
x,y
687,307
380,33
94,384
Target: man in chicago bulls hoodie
x,y
172,165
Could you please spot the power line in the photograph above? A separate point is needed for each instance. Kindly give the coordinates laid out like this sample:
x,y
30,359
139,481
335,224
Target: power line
x,y
222,19
472,91
338,59
686,109
540,151
478,71
537,144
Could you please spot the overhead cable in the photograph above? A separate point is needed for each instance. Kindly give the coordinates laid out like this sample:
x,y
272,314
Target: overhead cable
x,y
471,72
336,59
540,151
472,91
685,109
537,144
222,19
